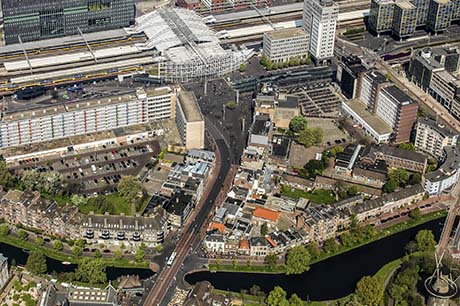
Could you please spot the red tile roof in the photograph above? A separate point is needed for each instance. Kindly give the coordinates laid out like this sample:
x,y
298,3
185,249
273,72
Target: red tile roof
x,y
266,214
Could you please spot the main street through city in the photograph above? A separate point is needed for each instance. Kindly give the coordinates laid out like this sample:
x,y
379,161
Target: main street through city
x,y
192,232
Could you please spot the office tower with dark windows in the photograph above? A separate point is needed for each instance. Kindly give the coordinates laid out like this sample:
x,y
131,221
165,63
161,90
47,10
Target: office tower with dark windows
x,y
381,15
439,15
28,20
422,10
404,19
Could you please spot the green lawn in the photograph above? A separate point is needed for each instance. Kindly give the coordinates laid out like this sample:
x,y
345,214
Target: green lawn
x,y
116,201
319,196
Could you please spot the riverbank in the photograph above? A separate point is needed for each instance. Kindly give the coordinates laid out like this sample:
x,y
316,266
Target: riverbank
x,y
383,233
64,257
258,300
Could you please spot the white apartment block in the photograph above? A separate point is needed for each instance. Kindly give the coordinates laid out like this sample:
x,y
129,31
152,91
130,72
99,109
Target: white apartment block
x,y
432,137
189,121
282,45
320,21
85,117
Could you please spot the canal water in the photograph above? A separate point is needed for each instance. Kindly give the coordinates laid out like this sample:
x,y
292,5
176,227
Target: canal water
x,y
326,280
20,256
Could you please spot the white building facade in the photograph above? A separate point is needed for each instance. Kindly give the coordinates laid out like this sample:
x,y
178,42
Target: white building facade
x,y
282,45
320,21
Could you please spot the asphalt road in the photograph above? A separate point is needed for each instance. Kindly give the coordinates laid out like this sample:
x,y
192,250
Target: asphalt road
x,y
191,236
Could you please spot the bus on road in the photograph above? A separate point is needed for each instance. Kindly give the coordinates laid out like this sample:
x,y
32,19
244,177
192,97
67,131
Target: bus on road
x,y
171,259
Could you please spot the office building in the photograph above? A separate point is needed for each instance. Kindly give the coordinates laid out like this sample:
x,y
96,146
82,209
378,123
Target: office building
x,y
189,120
21,127
439,15
286,44
381,15
404,19
349,71
436,72
399,111
320,20
422,10
34,20
384,111
432,137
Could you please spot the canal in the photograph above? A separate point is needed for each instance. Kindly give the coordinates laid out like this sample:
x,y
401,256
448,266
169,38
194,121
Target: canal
x,y
329,279
20,257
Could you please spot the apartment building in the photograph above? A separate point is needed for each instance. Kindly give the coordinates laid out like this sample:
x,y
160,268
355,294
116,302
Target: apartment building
x,y
349,71
371,83
321,222
150,229
282,45
401,17
439,15
320,20
404,19
432,137
441,180
34,20
381,15
31,210
22,127
189,120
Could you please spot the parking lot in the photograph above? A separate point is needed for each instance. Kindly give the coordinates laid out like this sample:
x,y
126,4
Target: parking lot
x,y
317,100
100,170
332,134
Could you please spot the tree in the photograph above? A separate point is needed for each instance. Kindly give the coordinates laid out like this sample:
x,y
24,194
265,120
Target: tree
x,y
77,251
118,254
254,290
78,200
277,297
4,229
331,246
390,186
23,235
411,247
314,167
298,124
97,254
242,67
128,187
369,291
415,213
36,263
425,241
310,136
399,175
140,254
271,260
80,242
415,178
294,300
313,250
352,191
39,241
6,178
57,245
264,60
91,271
297,260
264,229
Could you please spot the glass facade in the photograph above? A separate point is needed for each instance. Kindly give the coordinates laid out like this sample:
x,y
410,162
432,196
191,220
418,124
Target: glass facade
x,y
34,20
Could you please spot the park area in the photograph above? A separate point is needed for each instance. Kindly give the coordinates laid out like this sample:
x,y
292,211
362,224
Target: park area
x,y
319,196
